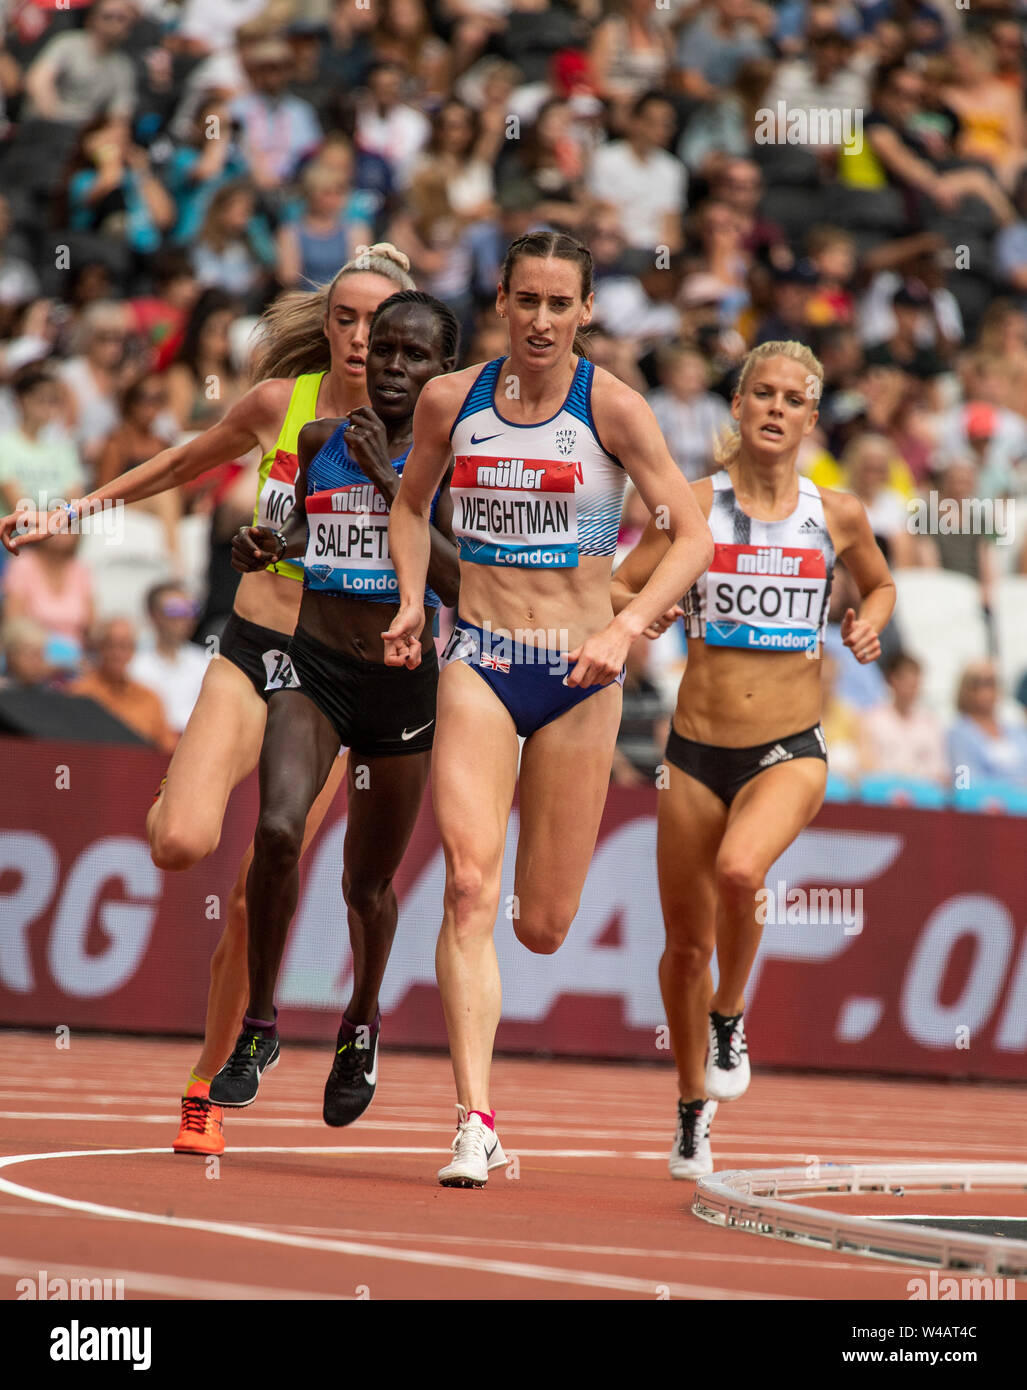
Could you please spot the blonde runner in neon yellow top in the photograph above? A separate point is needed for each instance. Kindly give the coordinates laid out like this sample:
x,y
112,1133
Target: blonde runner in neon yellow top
x,y
277,477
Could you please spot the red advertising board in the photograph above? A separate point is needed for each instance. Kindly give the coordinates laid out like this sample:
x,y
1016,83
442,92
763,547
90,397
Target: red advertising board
x,y
905,952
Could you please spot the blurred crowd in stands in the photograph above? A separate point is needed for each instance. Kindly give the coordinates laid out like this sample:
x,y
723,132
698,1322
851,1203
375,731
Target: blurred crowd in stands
x,y
852,173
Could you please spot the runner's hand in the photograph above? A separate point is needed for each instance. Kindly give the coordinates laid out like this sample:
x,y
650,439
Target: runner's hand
x,y
254,548
403,639
25,527
665,621
368,445
600,658
860,638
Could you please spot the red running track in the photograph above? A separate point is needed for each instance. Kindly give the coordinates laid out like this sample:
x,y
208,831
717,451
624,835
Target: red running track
x,y
295,1209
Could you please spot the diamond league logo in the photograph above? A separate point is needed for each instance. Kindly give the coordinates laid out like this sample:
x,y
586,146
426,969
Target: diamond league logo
x,y
565,441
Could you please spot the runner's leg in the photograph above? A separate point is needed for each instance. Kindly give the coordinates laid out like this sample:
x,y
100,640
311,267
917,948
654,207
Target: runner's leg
x,y
299,749
229,978
220,746
565,776
474,771
380,821
690,823
765,817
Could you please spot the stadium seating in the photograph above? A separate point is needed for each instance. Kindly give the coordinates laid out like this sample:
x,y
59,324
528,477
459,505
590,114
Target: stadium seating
x,y
943,626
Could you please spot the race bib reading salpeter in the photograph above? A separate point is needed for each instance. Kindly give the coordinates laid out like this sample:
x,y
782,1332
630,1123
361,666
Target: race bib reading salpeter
x,y
348,542
765,597
516,511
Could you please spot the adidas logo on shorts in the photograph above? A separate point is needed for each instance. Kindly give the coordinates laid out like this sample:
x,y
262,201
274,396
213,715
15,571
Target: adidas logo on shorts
x,y
777,754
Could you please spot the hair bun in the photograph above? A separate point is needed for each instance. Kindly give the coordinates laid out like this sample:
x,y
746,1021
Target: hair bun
x,y
390,252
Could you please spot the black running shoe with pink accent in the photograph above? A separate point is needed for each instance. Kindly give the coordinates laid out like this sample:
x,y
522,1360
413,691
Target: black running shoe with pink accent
x,y
236,1084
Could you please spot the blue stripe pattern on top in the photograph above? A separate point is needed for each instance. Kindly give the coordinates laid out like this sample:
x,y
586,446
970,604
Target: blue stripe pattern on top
x,y
333,469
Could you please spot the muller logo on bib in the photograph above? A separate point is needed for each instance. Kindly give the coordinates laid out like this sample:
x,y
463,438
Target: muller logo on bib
x,y
513,511
765,597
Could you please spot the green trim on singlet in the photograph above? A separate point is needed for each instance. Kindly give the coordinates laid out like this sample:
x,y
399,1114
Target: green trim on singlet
x,y
302,409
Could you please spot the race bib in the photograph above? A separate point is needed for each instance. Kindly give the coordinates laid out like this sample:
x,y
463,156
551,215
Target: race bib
x,y
348,542
765,597
278,495
280,673
517,512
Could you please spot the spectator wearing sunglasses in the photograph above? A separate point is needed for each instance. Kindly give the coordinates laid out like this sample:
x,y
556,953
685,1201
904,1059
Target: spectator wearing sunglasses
x,y
172,667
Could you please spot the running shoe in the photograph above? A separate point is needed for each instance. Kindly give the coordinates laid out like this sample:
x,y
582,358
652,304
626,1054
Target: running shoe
x,y
476,1151
691,1157
351,1082
727,1062
202,1129
236,1083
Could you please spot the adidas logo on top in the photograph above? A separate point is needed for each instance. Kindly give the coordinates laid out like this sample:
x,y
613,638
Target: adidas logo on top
x,y
808,526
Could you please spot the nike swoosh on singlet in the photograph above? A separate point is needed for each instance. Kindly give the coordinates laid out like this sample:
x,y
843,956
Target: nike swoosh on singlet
x,y
484,439
405,735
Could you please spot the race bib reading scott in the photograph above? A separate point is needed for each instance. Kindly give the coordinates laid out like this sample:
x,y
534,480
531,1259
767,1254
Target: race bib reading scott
x,y
765,597
516,512
348,542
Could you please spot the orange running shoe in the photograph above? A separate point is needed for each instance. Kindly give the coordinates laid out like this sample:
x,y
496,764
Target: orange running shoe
x,y
202,1130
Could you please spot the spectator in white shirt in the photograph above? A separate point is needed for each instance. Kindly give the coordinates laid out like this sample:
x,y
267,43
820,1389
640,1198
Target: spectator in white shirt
x,y
173,667
689,415
387,126
638,177
899,737
824,81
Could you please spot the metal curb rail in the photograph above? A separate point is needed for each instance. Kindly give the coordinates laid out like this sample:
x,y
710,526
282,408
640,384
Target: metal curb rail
x,y
748,1201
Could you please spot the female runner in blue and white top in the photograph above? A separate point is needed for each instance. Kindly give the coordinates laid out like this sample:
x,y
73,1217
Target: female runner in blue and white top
x,y
542,442
341,692
746,754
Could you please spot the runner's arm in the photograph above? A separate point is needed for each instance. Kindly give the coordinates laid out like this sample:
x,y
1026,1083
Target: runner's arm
x,y
255,547
631,433
857,549
444,562
409,526
230,438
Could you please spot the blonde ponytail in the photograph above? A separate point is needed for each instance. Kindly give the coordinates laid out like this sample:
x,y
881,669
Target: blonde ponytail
x,y
292,341
728,443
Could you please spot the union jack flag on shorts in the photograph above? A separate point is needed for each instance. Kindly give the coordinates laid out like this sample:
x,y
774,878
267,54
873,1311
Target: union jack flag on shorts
x,y
494,663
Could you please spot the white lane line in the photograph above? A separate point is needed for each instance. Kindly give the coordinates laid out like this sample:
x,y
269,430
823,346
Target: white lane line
x,y
508,1268
138,1281
627,1252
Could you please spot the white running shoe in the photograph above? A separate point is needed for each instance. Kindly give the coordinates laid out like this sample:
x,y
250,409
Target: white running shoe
x,y
476,1151
691,1156
727,1062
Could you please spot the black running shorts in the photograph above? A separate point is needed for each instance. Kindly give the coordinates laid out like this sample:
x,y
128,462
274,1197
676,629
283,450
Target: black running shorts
x,y
378,711
259,652
726,770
